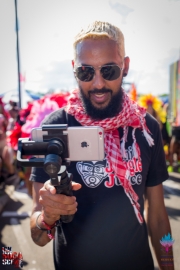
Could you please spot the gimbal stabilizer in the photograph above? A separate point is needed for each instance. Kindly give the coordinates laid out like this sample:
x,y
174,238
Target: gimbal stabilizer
x,y
54,148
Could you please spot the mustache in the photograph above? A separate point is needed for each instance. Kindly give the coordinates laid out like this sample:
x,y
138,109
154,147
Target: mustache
x,y
100,91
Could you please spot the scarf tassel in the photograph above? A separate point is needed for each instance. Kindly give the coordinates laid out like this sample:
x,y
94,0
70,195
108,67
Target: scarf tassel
x,y
123,151
136,208
124,139
148,137
135,150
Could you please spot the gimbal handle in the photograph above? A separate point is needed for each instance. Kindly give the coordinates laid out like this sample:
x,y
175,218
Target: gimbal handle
x,y
60,179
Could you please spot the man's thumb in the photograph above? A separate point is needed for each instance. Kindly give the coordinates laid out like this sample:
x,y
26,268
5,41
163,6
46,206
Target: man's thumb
x,y
76,186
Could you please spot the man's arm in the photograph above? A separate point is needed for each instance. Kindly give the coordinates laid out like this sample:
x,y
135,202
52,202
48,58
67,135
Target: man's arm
x,y
51,205
157,219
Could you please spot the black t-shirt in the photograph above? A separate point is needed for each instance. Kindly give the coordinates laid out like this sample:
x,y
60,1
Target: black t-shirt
x,y
105,233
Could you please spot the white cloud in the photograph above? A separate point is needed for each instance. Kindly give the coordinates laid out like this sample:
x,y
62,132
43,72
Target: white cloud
x,y
122,9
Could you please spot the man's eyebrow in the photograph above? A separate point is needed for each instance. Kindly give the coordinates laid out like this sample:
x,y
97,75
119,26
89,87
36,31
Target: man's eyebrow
x,y
110,63
82,64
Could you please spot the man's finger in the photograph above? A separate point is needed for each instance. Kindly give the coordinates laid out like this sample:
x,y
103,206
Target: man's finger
x,y
49,187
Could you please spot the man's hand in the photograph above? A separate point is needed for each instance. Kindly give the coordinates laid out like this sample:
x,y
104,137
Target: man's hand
x,y
54,205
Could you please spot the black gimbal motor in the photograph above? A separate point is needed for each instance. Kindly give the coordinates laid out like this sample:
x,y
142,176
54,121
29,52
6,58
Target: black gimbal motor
x,y
52,147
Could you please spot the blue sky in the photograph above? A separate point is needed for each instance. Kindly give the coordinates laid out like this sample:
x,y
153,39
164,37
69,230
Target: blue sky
x,y
47,28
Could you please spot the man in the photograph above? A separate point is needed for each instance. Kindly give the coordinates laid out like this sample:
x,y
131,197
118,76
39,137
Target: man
x,y
108,230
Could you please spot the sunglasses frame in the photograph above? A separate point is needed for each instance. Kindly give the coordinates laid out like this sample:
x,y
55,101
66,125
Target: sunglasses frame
x,y
98,68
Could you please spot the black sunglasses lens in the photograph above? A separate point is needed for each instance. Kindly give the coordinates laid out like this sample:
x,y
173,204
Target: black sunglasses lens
x,y
110,73
85,73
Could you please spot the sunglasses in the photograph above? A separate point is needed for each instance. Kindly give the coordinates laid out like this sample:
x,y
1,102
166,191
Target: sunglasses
x,y
108,72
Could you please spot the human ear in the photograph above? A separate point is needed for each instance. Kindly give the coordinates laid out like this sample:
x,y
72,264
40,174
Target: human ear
x,y
126,66
73,64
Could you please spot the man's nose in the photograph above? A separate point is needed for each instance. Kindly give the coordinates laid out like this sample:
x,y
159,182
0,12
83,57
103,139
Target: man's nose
x,y
98,81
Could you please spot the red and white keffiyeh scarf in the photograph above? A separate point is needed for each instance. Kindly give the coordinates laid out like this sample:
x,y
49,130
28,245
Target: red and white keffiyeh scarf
x,y
131,115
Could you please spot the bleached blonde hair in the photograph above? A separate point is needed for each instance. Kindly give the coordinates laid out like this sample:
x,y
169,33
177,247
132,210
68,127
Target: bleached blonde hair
x,y
101,30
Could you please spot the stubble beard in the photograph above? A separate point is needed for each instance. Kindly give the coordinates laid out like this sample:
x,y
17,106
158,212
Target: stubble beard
x,y
111,110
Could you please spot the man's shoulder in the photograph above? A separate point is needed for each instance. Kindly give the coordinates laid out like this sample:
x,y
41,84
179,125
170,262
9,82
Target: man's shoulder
x,y
55,117
151,122
60,116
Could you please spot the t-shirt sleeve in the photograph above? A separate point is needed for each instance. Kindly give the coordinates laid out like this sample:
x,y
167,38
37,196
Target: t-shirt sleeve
x,y
38,175
158,169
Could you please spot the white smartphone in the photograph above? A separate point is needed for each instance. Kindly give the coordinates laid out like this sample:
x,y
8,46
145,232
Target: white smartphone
x,y
84,143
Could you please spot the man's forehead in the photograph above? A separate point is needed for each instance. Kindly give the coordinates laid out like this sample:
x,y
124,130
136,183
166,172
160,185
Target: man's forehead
x,y
87,44
104,49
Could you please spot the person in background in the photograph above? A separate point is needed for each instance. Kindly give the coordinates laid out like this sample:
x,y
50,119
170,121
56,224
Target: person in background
x,y
110,227
174,149
166,134
7,172
13,111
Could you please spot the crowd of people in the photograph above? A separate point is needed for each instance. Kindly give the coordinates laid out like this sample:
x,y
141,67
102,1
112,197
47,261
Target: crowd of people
x,y
169,129
17,123
7,155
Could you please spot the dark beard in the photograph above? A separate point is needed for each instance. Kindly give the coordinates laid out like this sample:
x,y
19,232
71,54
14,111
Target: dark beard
x,y
111,110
